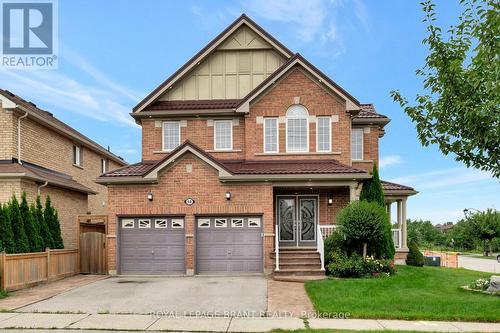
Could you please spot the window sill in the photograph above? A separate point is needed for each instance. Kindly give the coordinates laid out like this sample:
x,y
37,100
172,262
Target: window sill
x,y
223,151
362,161
304,153
78,166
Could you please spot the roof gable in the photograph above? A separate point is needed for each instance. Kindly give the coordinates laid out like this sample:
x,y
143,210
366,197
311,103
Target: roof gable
x,y
242,33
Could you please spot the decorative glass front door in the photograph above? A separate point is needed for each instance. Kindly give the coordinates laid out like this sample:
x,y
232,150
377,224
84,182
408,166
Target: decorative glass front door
x,y
297,217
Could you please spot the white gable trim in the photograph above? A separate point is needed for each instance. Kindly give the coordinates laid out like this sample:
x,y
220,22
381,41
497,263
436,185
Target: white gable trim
x,y
153,174
7,103
196,62
351,105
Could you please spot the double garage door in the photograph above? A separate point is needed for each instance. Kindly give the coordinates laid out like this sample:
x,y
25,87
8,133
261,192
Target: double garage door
x,y
156,245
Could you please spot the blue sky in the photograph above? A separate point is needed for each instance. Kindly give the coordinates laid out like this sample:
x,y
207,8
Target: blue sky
x,y
112,53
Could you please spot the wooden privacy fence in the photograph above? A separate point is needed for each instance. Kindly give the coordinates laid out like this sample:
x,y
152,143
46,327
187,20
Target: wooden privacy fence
x,y
28,269
92,250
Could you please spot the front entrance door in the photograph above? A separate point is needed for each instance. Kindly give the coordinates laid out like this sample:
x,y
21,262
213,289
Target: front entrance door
x,y
297,218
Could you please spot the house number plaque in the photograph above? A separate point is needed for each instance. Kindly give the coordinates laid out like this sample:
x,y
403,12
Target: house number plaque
x,y
189,201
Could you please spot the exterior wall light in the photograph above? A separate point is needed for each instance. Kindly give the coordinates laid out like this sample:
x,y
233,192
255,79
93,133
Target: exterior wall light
x,y
330,201
150,196
228,195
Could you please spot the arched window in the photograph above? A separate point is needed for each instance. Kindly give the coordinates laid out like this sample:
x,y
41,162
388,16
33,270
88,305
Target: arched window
x,y
297,129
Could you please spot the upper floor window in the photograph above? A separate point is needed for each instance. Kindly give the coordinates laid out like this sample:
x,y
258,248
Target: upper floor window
x,y
297,129
271,136
171,135
323,134
357,144
104,165
223,134
77,157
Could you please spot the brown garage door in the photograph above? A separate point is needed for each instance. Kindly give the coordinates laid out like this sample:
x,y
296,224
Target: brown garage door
x,y
229,245
151,245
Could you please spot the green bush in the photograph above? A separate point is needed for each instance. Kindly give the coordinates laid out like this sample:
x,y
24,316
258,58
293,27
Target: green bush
x,y
354,266
30,225
17,223
363,225
415,257
372,190
334,242
45,235
51,217
7,243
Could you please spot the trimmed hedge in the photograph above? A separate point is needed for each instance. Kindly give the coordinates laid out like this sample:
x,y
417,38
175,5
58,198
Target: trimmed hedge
x,y
415,257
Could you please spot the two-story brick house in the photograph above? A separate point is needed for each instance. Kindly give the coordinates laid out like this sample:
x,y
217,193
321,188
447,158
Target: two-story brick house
x,y
246,149
40,154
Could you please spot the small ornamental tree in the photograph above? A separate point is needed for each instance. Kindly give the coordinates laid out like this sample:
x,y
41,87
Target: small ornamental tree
x,y
41,242
30,227
52,219
363,223
6,236
415,257
372,189
45,235
17,223
486,226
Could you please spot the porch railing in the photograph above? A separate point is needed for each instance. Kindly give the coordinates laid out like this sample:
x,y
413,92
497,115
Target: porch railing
x,y
327,230
396,237
321,248
277,247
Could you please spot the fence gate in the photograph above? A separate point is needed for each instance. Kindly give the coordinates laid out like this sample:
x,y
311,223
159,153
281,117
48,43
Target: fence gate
x,y
92,253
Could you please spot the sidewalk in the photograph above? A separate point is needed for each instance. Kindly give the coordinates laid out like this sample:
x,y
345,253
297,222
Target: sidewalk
x,y
236,324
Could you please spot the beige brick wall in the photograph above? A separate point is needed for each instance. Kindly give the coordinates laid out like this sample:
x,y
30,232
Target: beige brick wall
x,y
43,146
7,134
68,203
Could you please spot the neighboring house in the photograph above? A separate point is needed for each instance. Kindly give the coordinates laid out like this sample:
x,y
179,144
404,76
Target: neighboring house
x,y
246,148
41,154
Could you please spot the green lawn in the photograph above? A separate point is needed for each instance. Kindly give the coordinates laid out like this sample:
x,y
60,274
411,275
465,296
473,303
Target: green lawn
x,y
430,293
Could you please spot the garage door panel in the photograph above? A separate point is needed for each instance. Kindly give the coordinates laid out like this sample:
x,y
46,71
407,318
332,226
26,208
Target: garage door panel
x,y
151,250
229,249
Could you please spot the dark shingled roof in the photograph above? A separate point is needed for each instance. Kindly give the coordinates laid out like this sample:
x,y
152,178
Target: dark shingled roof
x,y
388,186
368,111
42,174
194,105
132,170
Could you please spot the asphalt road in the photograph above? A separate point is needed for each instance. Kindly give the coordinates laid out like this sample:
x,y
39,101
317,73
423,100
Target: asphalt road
x,y
478,264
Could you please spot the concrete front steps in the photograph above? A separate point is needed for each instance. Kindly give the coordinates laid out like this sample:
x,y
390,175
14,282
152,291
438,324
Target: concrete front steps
x,y
298,265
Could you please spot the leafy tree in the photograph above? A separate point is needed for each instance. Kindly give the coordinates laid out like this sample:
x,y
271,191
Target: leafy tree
x,y
461,236
7,243
459,109
30,225
363,225
45,235
415,257
486,225
17,223
51,217
372,189
424,233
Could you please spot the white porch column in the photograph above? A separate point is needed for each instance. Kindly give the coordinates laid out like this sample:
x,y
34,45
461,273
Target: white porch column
x,y
388,208
399,209
404,244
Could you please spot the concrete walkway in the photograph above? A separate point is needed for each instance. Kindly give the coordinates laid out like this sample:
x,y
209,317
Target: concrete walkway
x,y
220,324
44,291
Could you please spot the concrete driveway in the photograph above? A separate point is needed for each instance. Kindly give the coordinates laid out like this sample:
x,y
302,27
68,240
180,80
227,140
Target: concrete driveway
x,y
198,295
478,264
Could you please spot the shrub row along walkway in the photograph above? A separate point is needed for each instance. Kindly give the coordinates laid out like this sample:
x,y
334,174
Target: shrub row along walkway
x,y
150,323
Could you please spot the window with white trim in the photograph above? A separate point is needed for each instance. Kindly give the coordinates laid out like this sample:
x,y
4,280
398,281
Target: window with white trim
x,y
203,223
128,224
144,224
220,223
323,134
237,223
357,144
161,224
77,155
223,134
254,222
171,135
297,129
271,135
177,223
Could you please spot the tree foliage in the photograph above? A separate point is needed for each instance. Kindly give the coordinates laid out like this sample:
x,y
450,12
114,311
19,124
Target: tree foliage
x,y
17,223
486,225
45,234
415,257
459,109
51,217
30,225
372,189
7,243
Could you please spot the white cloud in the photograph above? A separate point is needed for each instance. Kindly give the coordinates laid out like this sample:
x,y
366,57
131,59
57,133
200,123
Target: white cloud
x,y
390,160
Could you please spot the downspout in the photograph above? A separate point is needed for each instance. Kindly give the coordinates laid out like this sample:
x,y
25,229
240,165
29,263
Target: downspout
x,y
43,185
19,137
